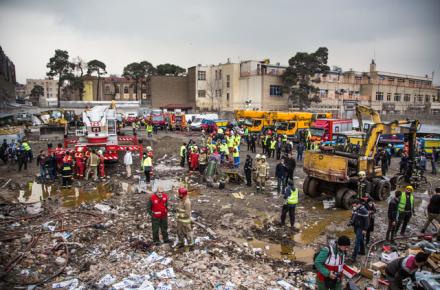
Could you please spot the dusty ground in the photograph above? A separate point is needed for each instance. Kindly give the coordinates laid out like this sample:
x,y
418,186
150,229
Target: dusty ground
x,y
239,241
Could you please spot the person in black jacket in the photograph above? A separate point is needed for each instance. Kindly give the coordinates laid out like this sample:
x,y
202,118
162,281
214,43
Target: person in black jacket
x,y
51,165
253,140
433,210
359,221
291,165
281,175
248,170
392,216
371,207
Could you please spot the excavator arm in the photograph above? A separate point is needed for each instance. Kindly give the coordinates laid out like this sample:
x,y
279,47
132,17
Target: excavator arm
x,y
363,110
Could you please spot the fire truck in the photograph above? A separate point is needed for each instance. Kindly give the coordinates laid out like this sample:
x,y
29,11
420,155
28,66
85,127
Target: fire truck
x,y
100,133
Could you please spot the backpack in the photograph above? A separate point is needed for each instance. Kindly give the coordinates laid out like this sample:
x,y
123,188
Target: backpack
x,y
317,253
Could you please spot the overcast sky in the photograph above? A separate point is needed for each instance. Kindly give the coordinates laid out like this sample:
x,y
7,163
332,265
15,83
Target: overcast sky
x,y
403,34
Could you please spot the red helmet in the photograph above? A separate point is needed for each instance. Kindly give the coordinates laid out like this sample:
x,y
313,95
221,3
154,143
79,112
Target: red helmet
x,y
150,154
182,191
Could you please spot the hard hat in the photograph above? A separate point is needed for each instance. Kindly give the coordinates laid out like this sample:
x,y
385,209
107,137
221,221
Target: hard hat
x,y
362,174
258,156
263,157
79,149
182,191
409,187
150,154
149,148
100,152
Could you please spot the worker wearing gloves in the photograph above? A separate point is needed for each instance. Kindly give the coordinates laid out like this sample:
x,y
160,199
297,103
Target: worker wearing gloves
x,y
402,268
360,222
158,209
329,264
147,166
405,209
290,202
184,228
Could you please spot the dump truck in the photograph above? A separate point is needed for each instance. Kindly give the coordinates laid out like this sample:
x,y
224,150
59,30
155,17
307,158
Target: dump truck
x,y
335,171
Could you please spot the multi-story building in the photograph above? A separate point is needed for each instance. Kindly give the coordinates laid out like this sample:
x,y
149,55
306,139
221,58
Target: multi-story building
x,y
384,91
231,86
50,97
7,80
20,93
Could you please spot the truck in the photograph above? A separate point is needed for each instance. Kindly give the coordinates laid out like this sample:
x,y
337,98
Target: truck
x,y
290,123
322,130
197,123
180,121
158,119
100,133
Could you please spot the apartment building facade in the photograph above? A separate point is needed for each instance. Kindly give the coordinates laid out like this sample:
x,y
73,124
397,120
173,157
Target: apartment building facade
x,y
50,97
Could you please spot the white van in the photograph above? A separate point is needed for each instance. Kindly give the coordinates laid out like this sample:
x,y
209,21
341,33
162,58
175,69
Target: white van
x,y
197,122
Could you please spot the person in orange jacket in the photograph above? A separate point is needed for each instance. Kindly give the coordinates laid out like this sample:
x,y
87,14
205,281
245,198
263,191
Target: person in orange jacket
x,y
79,163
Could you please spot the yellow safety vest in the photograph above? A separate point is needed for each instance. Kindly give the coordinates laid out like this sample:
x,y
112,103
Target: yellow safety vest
x,y
231,141
273,144
182,150
293,198
147,162
149,128
220,131
402,202
26,146
236,153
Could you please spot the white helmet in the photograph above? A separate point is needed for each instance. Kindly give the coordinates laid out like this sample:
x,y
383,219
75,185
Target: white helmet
x,y
263,157
362,174
100,152
258,156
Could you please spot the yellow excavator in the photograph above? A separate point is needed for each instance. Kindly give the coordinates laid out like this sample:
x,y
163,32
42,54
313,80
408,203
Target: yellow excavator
x,y
335,171
55,122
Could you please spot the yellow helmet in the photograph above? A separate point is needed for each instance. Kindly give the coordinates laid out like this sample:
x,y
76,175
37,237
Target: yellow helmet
x,y
362,174
410,188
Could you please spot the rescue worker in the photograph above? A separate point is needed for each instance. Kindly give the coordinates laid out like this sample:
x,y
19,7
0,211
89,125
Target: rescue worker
x,y
101,164
52,166
402,268
27,150
371,207
203,160
262,173
66,173
149,129
79,163
330,263
224,151
194,159
248,170
184,227
279,147
92,165
253,141
21,158
182,154
281,175
359,221
147,166
128,161
433,210
290,196
68,158
405,209
272,147
236,155
299,151
158,209
363,186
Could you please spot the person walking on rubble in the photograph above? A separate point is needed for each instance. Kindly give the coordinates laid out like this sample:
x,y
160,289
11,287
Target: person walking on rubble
x,y
433,210
281,175
128,161
363,186
92,165
329,263
41,162
290,202
405,209
66,173
359,221
262,173
392,216
371,207
403,268
184,227
101,164
248,170
147,166
158,209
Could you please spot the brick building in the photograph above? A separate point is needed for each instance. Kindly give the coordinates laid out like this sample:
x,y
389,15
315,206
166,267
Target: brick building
x,y
7,80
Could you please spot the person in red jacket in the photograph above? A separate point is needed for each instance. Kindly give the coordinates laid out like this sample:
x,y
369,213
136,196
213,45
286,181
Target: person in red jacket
x,y
79,163
67,159
158,209
194,159
101,164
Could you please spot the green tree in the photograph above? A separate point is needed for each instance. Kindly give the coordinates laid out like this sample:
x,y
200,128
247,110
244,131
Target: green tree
x,y
37,91
301,73
74,83
168,69
60,66
138,71
98,67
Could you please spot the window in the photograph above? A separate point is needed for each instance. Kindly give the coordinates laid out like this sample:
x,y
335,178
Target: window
x,y
407,98
397,97
201,93
391,80
227,97
388,97
400,80
220,74
379,96
276,90
215,73
107,89
201,75
420,98
228,81
125,89
411,83
426,98
117,89
218,93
